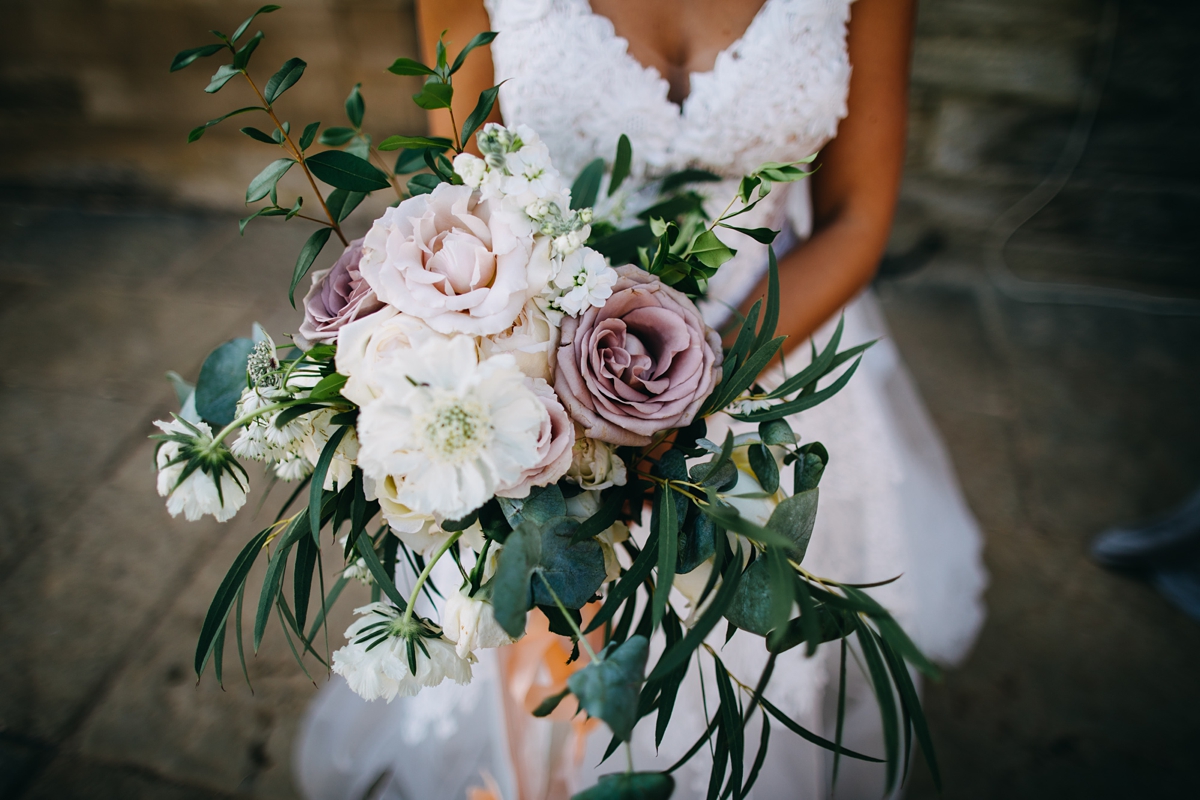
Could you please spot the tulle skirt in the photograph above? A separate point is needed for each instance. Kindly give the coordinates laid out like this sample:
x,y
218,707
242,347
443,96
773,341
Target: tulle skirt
x,y
889,505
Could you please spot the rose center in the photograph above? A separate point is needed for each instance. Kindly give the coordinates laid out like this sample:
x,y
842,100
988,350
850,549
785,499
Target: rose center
x,y
455,431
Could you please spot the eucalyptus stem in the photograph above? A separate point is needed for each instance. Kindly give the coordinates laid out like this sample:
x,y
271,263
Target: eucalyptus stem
x,y
570,621
424,576
287,137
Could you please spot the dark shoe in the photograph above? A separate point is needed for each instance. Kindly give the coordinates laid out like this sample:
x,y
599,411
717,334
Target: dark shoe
x,y
1181,586
1159,543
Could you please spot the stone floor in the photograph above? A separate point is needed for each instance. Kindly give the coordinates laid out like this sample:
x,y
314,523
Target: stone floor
x,y
1061,421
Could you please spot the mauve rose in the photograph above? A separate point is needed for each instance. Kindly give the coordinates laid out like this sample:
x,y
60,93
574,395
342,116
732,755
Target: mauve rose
x,y
556,444
641,364
338,295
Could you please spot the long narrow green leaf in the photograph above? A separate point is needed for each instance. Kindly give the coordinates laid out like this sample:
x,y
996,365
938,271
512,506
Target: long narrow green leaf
x,y
668,547
695,748
732,726
818,367
302,576
478,40
334,592
237,630
682,650
587,185
265,181
892,632
382,579
621,164
809,736
885,698
196,133
237,34
234,579
771,314
273,579
316,489
764,741
841,711
633,577
912,704
284,79
748,373
802,403
185,57
291,646
219,654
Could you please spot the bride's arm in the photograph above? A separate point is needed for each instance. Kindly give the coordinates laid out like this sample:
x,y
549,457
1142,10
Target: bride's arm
x,y
854,191
461,19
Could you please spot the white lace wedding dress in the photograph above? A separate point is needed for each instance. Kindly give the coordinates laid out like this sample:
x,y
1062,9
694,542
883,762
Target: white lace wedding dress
x,y
889,504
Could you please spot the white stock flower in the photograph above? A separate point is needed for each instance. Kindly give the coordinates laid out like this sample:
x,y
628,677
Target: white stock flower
x,y
583,280
595,464
375,669
366,342
449,429
471,169
471,624
454,261
532,341
210,488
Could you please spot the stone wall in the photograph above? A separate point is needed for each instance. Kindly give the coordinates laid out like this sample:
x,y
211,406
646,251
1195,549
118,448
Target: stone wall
x,y
87,105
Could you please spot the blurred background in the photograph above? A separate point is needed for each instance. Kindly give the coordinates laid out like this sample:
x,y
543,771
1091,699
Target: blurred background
x,y
1056,346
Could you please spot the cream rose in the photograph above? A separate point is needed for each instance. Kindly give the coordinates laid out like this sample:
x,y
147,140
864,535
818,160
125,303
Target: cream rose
x,y
595,464
532,340
365,343
555,441
453,261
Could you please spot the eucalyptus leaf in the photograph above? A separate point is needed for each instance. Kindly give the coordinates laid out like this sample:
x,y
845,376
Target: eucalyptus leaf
x,y
621,164
221,382
630,786
434,95
750,608
587,185
480,39
284,79
762,464
264,182
237,34
795,518
336,137
185,57
609,688
344,171
308,253
355,106
407,66
221,77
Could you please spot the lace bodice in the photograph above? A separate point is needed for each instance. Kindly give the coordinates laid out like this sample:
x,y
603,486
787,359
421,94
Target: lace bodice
x,y
775,94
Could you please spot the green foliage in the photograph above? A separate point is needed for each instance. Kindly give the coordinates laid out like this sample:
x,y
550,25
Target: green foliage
x,y
630,786
186,57
487,101
308,254
608,687
478,40
196,133
587,185
621,164
237,34
222,379
344,171
264,182
284,79
355,106
221,77
434,95
407,66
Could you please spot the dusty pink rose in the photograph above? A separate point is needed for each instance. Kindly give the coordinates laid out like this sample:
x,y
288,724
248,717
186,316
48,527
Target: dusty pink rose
x,y
338,295
642,363
556,443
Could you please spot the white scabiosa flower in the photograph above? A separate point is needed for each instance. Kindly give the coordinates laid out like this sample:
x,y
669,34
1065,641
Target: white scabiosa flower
x,y
448,429
196,477
471,624
584,280
376,663
292,467
747,405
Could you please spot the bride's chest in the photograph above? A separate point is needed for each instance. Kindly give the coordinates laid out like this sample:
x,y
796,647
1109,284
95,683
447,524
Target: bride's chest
x,y
775,94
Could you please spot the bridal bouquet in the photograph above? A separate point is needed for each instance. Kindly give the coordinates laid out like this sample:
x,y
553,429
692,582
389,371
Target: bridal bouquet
x,y
496,374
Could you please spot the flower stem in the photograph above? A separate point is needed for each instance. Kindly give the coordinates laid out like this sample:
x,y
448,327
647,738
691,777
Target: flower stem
x,y
258,412
299,155
570,621
424,576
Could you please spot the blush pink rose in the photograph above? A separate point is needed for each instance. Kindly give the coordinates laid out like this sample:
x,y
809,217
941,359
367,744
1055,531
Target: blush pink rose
x,y
556,444
454,261
338,295
641,364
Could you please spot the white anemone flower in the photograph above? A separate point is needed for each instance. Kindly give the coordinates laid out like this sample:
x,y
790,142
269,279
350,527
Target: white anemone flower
x,y
376,667
210,487
448,429
470,623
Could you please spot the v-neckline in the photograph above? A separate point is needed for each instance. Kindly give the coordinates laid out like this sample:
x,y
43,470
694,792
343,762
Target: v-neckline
x,y
682,106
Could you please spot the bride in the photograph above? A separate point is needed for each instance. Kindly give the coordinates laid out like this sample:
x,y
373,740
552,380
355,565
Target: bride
x,y
721,85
